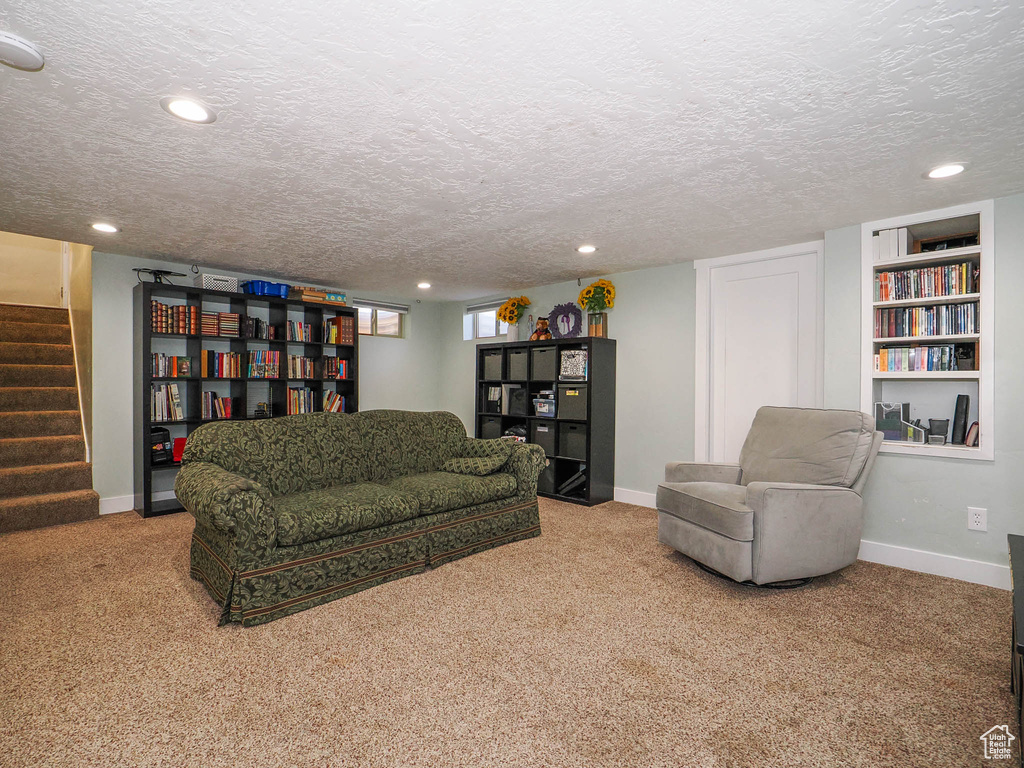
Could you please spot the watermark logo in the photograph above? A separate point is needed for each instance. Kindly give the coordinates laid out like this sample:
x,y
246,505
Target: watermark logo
x,y
997,741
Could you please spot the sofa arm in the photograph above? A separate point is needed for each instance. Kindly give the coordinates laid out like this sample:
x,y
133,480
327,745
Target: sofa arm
x,y
525,463
693,472
803,530
226,502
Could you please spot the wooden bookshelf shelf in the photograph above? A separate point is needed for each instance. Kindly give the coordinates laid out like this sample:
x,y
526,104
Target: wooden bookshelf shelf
x,y
244,391
929,258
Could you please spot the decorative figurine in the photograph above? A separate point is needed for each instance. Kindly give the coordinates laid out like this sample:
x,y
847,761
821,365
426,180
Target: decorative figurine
x,y
542,333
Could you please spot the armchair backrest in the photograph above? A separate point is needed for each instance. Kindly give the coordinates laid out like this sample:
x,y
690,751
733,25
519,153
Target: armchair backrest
x,y
807,445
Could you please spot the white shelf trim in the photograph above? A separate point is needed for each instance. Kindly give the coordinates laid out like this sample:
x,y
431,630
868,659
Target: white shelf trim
x,y
966,375
936,257
962,298
905,339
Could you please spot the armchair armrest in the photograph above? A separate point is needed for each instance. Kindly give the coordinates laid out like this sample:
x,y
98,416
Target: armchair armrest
x,y
694,472
525,463
226,502
802,529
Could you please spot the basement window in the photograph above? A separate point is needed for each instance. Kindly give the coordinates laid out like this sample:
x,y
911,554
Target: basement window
x,y
481,321
379,319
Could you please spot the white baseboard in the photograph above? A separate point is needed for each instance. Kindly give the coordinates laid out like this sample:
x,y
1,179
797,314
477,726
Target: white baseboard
x,y
961,568
640,498
113,504
975,571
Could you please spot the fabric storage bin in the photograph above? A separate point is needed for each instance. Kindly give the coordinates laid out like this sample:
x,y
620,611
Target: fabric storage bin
x,y
490,428
546,481
492,365
572,401
572,441
518,359
544,436
518,400
545,364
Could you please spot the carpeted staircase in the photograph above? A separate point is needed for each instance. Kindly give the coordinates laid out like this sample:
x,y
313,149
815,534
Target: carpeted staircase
x,y
44,479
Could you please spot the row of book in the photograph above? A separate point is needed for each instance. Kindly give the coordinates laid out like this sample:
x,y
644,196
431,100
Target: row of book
x,y
255,328
171,366
335,368
216,407
295,331
300,367
165,403
220,365
927,282
333,402
891,244
924,358
221,324
943,320
340,330
300,400
264,364
173,318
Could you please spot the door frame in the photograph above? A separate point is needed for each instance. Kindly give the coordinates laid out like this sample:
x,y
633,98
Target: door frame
x,y
705,332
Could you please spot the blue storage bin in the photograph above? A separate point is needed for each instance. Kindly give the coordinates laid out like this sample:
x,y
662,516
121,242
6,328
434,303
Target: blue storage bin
x,y
265,288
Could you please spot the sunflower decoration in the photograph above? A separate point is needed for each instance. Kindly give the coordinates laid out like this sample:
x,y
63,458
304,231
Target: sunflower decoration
x,y
513,309
597,297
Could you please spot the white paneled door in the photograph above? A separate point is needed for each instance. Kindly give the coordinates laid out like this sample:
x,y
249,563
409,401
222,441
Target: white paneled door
x,y
759,342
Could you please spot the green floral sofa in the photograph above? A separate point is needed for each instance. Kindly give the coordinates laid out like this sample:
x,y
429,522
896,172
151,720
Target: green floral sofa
x,y
296,511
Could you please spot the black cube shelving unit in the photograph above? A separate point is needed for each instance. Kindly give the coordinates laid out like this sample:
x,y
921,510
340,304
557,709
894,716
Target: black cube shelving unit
x,y
580,438
275,312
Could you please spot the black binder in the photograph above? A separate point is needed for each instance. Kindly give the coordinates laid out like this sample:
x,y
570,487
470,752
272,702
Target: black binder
x,y
963,406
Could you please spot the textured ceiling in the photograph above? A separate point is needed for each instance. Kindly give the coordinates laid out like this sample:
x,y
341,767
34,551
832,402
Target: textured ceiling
x,y
372,145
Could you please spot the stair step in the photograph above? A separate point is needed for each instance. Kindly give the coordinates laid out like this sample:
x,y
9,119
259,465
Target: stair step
x,y
45,478
23,513
37,375
22,313
28,451
34,333
39,423
36,354
38,398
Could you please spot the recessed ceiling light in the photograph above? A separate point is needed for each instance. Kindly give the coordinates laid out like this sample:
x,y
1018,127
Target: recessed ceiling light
x,y
423,285
943,171
101,227
19,53
188,109
586,249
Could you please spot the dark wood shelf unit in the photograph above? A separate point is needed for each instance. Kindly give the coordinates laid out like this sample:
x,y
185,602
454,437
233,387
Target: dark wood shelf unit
x,y
597,456
273,310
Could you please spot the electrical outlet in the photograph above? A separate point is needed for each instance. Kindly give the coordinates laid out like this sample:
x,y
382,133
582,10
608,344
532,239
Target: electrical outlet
x,y
977,519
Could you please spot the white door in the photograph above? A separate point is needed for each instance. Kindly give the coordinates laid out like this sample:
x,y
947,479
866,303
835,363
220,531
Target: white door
x,y
763,344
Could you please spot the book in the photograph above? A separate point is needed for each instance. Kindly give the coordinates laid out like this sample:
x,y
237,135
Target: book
x,y
972,435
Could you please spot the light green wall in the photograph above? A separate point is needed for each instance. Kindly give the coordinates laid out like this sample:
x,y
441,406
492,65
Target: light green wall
x,y
653,324
394,373
921,502
909,501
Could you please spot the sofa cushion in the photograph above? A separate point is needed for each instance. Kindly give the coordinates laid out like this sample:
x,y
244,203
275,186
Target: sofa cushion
x,y
481,465
806,445
321,514
400,443
719,507
443,491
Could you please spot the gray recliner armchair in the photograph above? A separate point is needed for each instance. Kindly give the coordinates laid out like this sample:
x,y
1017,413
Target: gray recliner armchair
x,y
790,510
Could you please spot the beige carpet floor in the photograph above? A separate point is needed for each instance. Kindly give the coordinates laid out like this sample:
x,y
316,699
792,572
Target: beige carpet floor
x,y
592,645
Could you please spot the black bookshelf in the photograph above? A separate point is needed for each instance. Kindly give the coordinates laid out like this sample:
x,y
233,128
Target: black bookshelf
x,y
275,312
580,438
